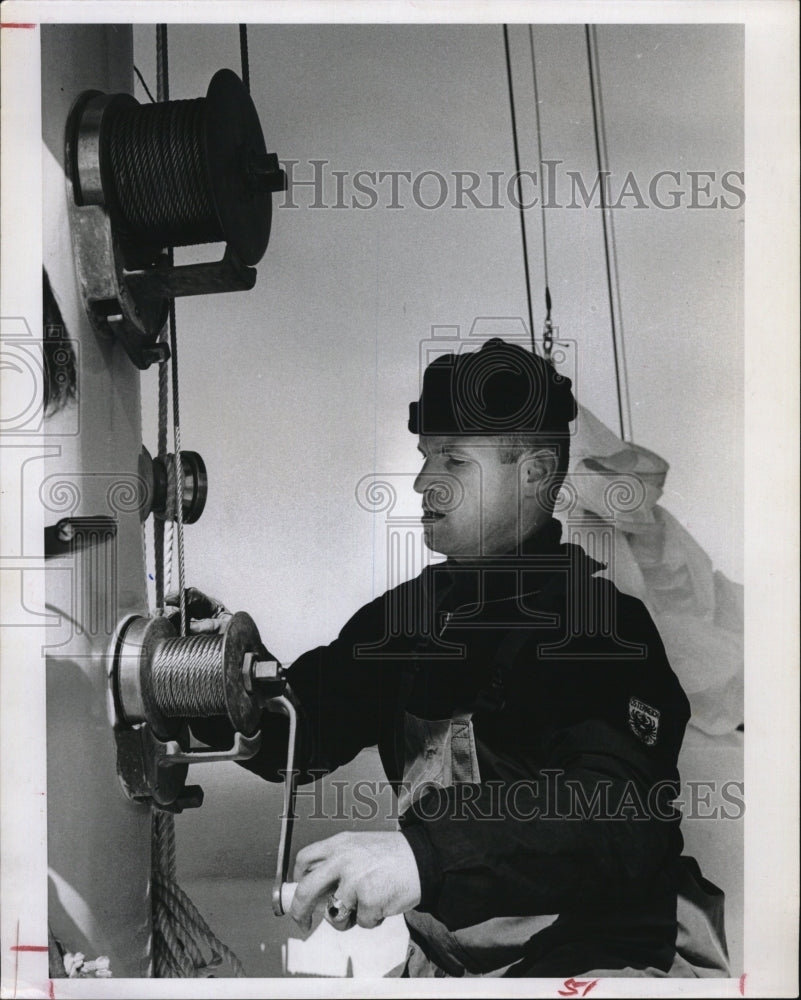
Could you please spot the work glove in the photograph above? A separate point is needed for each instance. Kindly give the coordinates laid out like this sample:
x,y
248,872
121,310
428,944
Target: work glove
x,y
205,614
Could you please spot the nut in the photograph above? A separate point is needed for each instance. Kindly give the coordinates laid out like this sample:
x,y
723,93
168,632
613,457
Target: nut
x,y
259,673
266,670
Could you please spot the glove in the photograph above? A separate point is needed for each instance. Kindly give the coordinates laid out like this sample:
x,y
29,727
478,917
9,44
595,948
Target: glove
x,y
206,614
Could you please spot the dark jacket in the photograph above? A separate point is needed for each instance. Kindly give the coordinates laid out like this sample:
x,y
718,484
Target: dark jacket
x,y
578,721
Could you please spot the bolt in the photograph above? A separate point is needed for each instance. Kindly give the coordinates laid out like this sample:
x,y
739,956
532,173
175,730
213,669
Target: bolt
x,y
66,531
190,797
266,670
266,173
154,354
261,674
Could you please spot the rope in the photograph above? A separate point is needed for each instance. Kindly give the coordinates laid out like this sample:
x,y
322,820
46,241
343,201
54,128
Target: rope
x,y
169,536
185,933
610,255
547,338
243,51
517,171
179,507
158,523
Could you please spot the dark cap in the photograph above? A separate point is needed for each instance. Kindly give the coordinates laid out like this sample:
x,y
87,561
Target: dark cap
x,y
500,389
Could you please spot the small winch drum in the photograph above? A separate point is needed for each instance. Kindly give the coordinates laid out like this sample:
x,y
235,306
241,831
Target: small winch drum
x,y
165,679
161,681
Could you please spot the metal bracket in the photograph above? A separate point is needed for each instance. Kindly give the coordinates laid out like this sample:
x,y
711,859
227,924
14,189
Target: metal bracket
x,y
172,753
138,756
163,281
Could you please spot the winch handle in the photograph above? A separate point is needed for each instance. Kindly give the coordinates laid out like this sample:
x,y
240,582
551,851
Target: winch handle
x,y
285,704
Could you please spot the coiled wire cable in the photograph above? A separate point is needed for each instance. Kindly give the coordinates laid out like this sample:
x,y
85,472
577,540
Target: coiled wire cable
x,y
162,190
188,678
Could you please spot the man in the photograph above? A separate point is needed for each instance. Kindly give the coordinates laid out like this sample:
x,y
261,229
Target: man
x,y
523,708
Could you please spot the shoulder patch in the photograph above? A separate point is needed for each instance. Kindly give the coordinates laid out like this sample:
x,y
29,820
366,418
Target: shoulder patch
x,y
644,721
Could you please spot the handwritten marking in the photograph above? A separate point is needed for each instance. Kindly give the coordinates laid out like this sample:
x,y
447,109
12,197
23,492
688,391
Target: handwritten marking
x,y
577,987
15,24
742,984
17,948
51,992
16,960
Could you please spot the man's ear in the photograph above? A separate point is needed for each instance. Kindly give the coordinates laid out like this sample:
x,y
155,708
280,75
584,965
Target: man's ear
x,y
536,466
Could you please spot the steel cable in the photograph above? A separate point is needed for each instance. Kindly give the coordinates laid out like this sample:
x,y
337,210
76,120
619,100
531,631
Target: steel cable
x,y
518,185
162,190
243,52
188,679
610,256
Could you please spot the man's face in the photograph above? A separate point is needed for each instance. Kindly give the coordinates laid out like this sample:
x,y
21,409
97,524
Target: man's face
x,y
471,499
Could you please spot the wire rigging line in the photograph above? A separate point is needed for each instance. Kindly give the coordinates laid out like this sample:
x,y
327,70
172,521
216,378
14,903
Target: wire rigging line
x,y
547,337
162,64
142,81
539,151
179,507
243,51
615,269
610,253
517,173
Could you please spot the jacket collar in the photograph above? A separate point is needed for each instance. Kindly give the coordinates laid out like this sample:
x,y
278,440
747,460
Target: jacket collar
x,y
529,568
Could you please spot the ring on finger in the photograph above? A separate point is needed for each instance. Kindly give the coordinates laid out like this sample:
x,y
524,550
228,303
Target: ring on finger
x,y
338,912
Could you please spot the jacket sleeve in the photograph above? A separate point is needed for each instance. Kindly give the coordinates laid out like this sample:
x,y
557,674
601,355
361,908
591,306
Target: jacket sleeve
x,y
591,822
345,695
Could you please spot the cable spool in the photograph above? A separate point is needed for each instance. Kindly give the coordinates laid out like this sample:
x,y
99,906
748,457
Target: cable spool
x,y
164,175
180,173
161,681
165,679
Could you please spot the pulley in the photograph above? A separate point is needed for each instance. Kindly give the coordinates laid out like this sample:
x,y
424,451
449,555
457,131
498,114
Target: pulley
x,y
162,491
161,681
143,178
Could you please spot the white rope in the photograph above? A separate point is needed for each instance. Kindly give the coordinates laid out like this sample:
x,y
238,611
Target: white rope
x,y
168,556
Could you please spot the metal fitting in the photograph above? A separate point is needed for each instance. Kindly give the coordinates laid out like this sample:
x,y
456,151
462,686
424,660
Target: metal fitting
x,y
265,678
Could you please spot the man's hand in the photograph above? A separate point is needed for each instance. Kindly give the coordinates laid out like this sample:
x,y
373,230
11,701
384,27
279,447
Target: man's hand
x,y
373,873
206,614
